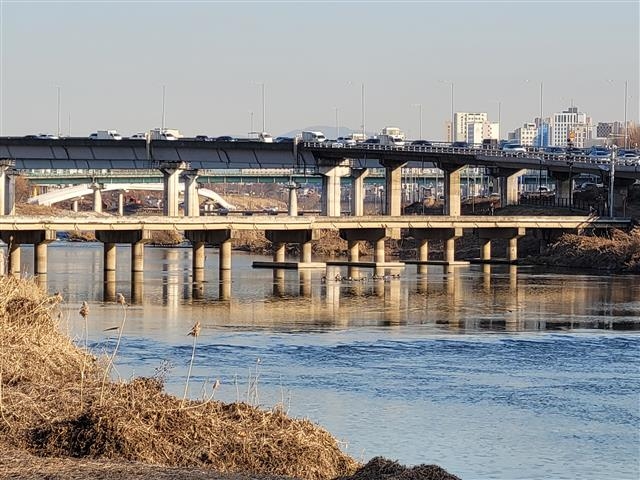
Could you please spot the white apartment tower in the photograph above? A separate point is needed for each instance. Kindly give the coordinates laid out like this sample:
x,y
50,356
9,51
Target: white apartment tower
x,y
478,131
526,134
460,122
568,123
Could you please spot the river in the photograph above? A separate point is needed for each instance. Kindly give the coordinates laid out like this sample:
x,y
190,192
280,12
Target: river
x,y
492,373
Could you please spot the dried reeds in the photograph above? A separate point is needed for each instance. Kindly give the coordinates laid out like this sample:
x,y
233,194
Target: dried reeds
x,y
195,333
43,373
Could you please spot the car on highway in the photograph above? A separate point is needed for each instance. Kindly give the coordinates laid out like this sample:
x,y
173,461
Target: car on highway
x,y
460,144
557,152
43,136
372,141
283,140
225,138
628,157
421,143
346,140
513,148
203,138
600,153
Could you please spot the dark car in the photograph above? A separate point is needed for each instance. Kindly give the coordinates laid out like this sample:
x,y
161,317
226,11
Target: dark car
x,y
424,143
372,141
202,138
283,140
460,145
225,138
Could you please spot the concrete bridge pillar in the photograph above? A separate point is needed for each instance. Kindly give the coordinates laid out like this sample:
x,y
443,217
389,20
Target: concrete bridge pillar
x,y
510,234
109,255
137,257
171,177
75,205
354,250
564,191
13,262
199,239
423,255
393,187
293,199
121,204
509,193
448,237
40,257
197,261
485,249
306,249
97,197
357,190
304,238
279,251
7,188
332,172
191,199
136,239
452,191
379,251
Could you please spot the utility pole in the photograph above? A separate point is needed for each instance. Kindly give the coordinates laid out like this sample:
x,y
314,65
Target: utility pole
x,y
612,173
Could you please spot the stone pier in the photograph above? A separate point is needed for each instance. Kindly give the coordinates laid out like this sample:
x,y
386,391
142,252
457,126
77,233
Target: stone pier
x,y
486,235
332,172
171,172
393,187
38,238
280,239
448,237
357,190
136,239
452,191
191,199
199,239
375,236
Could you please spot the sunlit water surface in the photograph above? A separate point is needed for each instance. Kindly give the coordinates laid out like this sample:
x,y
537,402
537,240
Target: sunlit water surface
x,y
505,373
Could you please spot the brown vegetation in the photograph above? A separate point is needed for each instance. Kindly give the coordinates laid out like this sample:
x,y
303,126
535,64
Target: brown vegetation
x,y
51,404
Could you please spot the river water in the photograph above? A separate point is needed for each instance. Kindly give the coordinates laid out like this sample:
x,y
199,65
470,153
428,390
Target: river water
x,y
492,373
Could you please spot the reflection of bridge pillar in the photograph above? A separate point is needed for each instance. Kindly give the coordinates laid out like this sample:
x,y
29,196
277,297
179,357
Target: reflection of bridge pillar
x,y
423,254
293,199
137,287
191,200
109,294
304,238
331,174
305,282
97,197
171,177
486,277
392,187
7,188
452,190
305,252
278,282
357,190
279,251
378,253
121,203
225,284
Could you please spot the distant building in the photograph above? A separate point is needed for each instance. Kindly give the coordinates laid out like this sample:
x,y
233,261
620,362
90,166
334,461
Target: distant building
x,y
460,122
570,124
525,135
479,131
448,131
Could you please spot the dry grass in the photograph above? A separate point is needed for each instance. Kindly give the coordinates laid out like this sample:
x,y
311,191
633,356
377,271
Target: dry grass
x,y
50,405
619,251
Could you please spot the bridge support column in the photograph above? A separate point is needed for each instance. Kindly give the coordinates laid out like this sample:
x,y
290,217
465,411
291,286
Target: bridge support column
x,y
375,236
199,239
452,191
121,204
136,239
13,262
357,190
171,177
564,191
75,205
7,188
448,237
38,238
423,255
509,194
109,255
191,199
97,197
486,235
331,193
137,257
393,187
293,199
280,239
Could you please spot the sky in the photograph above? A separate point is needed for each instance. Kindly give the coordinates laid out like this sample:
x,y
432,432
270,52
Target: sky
x,y
110,62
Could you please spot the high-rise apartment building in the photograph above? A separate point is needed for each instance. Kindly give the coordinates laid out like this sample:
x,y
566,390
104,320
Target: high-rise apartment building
x,y
478,131
460,122
525,135
570,124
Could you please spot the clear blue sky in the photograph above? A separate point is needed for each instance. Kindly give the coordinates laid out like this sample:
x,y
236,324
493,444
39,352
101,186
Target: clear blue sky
x,y
111,60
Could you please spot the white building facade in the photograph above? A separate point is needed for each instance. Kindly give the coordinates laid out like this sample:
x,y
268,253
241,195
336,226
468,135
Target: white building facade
x,y
460,122
570,124
526,135
479,131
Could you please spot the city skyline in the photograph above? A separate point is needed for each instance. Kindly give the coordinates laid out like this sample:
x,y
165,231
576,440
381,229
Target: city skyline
x,y
228,68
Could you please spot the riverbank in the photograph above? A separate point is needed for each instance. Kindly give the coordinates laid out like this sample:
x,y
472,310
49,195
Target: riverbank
x,y
61,416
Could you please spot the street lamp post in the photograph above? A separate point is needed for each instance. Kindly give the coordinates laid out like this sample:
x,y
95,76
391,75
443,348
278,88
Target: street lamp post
x,y
611,178
419,105
337,127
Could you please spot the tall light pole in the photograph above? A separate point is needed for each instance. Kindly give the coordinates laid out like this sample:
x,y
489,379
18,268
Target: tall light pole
x,y
612,173
626,136
419,105
264,109
164,88
337,127
58,130
362,97
250,122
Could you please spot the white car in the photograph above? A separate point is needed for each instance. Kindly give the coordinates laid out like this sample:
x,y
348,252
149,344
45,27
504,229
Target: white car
x,y
513,148
346,140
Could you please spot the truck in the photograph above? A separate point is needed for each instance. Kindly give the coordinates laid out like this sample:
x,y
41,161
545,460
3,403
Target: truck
x,y
261,137
165,134
392,136
316,137
106,135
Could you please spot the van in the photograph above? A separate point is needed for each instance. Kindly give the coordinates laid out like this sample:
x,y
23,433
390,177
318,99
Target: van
x,y
316,137
106,135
